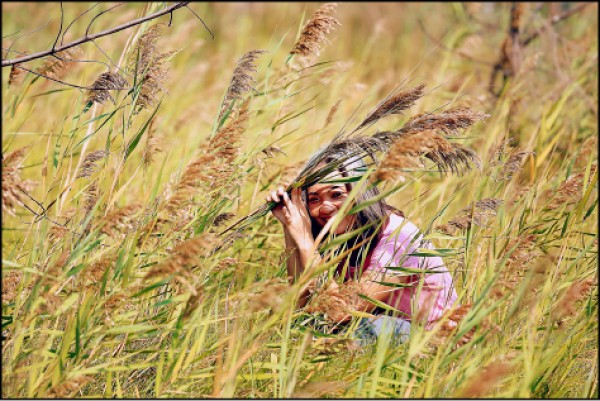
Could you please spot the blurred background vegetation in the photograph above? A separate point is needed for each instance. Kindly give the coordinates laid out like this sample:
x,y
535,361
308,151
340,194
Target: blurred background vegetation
x,y
209,334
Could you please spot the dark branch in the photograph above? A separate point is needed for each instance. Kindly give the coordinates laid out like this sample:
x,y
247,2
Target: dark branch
x,y
7,63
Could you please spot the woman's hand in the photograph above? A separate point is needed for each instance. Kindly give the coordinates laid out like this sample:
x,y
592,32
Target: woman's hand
x,y
292,214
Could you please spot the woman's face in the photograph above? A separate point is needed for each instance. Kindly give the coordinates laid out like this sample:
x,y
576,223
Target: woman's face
x,y
324,201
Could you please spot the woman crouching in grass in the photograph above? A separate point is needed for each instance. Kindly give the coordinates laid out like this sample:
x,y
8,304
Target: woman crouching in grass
x,y
375,256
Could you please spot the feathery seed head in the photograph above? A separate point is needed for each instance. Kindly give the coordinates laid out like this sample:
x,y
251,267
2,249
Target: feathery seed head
x,y
99,91
241,81
313,35
57,65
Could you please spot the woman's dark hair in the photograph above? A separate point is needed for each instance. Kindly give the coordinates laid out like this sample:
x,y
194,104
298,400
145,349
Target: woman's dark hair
x,y
373,215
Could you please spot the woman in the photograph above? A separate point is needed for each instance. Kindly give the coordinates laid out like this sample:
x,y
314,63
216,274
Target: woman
x,y
375,254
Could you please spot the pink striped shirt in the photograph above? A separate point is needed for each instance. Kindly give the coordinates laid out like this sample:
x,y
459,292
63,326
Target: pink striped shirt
x,y
398,239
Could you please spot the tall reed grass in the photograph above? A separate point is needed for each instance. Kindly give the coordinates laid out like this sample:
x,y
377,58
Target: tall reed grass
x,y
116,281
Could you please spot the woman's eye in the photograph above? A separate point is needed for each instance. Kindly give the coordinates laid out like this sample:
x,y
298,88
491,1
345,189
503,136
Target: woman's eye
x,y
336,194
313,200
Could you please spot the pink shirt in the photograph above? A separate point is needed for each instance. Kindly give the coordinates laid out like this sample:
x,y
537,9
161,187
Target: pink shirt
x,y
398,239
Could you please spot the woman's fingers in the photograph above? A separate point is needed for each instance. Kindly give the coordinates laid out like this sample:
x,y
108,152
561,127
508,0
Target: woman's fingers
x,y
274,196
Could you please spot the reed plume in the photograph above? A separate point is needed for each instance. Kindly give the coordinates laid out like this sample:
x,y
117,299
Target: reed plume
x,y
153,145
10,283
182,259
589,147
319,389
91,194
402,149
242,81
450,122
314,34
570,190
99,91
271,296
68,388
336,303
17,75
485,382
332,113
395,104
57,65
523,252
214,167
478,213
408,151
88,166
513,164
222,218
13,186
121,221
567,304
449,328
149,66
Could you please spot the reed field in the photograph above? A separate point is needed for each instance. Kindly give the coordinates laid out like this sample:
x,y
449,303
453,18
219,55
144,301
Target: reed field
x,y
140,259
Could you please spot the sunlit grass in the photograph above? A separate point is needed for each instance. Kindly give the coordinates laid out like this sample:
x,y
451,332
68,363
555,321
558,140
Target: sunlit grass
x,y
82,316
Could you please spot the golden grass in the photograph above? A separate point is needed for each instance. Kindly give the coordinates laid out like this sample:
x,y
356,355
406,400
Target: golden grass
x,y
116,284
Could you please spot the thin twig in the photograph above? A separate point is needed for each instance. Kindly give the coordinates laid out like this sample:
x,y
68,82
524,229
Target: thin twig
x,y
75,19
201,20
87,30
22,36
50,78
34,56
555,20
62,18
443,46
109,59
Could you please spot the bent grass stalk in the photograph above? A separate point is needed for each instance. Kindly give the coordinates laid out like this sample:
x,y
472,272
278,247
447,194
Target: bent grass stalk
x,y
81,321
